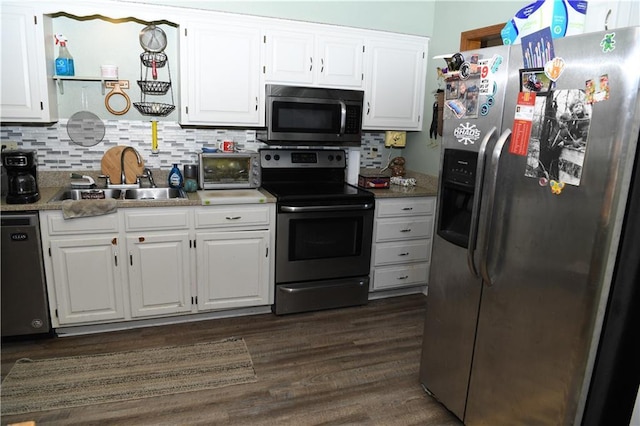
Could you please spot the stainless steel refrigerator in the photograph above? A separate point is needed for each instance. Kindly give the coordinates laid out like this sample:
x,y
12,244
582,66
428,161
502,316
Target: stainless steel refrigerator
x,y
530,215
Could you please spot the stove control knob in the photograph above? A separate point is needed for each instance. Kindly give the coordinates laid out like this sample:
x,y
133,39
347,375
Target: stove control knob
x,y
330,157
267,157
276,157
338,157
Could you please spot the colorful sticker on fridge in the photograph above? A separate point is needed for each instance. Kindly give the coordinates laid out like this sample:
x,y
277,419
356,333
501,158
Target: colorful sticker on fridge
x,y
559,136
554,68
522,123
597,91
537,48
608,43
556,187
467,133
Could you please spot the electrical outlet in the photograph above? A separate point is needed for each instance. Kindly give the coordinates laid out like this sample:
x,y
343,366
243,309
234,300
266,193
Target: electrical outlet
x,y
9,145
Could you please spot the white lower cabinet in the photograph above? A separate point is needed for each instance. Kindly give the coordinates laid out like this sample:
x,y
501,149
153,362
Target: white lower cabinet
x,y
233,269
401,253
84,268
235,262
157,262
86,279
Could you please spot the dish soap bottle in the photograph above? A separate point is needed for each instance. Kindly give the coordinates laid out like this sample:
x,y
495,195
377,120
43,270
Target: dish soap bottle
x,y
175,177
64,61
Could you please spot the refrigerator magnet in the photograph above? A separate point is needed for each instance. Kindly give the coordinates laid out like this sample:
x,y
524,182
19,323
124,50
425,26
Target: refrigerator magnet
x,y
556,187
522,123
554,68
608,43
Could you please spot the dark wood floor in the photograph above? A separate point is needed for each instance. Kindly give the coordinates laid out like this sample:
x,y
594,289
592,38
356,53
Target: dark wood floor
x,y
346,366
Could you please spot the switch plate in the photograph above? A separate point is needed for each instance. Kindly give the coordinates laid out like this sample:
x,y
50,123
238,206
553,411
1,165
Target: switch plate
x,y
9,145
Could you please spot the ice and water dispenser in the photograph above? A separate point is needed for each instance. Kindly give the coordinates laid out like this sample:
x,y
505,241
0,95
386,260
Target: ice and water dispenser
x,y
456,195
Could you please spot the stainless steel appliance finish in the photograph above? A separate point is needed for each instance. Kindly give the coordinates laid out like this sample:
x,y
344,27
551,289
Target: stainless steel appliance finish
x,y
298,116
520,276
324,229
25,308
22,176
229,170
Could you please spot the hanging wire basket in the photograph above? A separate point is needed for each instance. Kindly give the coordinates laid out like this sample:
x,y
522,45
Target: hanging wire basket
x,y
149,59
154,108
152,87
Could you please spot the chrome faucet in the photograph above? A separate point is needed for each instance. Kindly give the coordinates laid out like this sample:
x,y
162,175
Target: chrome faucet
x,y
149,175
123,178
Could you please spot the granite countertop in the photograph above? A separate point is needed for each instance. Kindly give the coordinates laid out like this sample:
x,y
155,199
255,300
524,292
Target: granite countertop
x,y
426,186
53,181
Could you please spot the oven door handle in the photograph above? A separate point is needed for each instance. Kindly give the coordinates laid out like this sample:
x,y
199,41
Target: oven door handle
x,y
341,207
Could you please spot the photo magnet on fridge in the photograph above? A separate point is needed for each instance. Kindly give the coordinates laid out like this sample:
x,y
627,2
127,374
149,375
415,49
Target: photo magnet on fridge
x,y
559,136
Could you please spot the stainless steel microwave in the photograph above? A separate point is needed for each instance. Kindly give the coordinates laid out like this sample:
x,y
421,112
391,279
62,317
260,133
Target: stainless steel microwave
x,y
312,116
227,170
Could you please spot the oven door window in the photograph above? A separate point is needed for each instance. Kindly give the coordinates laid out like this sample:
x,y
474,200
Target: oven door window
x,y
306,117
325,238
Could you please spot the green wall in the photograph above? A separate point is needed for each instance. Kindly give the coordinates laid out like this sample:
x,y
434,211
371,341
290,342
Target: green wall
x,y
451,18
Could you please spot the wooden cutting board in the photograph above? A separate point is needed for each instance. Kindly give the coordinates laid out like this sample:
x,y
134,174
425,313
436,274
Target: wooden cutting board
x,y
111,165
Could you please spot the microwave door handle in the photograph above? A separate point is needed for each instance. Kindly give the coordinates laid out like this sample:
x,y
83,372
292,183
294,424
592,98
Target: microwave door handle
x,y
343,117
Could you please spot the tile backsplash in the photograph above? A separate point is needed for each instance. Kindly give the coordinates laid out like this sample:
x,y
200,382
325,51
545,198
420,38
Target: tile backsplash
x,y
56,151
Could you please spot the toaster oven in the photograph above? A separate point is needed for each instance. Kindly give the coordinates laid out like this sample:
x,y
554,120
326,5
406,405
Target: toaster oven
x,y
228,170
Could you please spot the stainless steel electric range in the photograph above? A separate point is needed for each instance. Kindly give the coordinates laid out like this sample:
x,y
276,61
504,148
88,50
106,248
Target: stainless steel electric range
x,y
324,229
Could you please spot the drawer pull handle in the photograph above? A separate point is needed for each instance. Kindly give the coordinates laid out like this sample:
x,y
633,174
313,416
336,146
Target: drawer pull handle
x,y
407,208
405,230
403,254
403,278
233,217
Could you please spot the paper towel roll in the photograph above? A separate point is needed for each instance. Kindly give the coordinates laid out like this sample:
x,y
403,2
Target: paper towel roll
x,y
353,166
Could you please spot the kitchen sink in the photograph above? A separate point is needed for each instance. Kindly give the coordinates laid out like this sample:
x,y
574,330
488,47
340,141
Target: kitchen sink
x,y
154,194
85,194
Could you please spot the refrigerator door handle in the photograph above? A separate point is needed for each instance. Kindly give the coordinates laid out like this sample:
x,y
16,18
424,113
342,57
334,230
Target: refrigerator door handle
x,y
475,212
493,182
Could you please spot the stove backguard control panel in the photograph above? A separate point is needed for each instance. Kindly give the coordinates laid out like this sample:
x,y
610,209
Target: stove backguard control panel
x,y
299,158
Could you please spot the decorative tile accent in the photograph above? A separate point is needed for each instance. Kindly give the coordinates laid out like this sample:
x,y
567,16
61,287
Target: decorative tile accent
x,y
56,151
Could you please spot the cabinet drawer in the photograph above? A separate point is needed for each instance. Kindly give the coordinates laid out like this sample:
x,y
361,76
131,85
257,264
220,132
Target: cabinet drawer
x,y
58,225
398,276
248,215
404,228
406,206
153,219
401,252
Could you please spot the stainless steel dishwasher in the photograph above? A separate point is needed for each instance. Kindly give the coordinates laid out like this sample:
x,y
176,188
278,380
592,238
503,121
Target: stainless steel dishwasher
x,y
25,309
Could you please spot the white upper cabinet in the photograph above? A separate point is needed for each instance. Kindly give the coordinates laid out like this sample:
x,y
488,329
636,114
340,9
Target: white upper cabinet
x,y
395,75
27,90
313,57
609,14
220,73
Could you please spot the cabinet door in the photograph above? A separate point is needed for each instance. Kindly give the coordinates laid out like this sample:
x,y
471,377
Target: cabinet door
x,y
395,83
87,279
341,59
232,269
25,87
221,78
289,57
159,273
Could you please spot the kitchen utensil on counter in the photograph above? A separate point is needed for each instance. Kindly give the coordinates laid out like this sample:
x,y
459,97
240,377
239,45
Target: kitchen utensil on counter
x,y
84,127
110,164
190,177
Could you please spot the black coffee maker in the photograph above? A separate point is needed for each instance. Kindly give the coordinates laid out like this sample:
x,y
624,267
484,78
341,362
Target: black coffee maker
x,y
21,167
